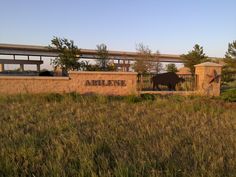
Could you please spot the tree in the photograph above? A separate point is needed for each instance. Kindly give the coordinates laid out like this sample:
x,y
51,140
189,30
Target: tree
x,y
103,58
194,57
68,52
230,56
143,63
231,53
171,68
157,65
229,68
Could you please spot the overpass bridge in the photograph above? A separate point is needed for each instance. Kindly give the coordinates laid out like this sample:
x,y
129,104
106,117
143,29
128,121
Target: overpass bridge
x,y
121,59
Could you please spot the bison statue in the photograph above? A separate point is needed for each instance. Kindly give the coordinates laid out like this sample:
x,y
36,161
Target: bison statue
x,y
169,79
46,73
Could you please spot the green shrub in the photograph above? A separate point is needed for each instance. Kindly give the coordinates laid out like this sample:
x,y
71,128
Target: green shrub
x,y
133,99
229,95
137,99
148,97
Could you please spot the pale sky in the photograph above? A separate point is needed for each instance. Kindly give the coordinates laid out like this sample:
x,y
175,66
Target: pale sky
x,y
170,26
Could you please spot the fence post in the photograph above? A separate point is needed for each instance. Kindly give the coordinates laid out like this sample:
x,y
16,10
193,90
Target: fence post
x,y
208,76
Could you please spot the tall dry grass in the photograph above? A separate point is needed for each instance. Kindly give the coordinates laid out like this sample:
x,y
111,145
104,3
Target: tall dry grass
x,y
73,135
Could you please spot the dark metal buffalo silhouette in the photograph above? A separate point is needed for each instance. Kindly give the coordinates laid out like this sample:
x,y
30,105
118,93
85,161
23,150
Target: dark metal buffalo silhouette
x,y
45,73
169,79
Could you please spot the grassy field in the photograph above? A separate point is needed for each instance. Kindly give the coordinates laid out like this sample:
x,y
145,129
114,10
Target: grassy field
x,y
73,135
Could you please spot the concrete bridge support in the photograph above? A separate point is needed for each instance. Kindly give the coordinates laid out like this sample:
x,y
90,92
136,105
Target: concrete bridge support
x,y
38,67
21,67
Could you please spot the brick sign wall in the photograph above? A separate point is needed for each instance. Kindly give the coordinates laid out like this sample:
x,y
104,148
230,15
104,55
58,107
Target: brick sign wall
x,y
105,83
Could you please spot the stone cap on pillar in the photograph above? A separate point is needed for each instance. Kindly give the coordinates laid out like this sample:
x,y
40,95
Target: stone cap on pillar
x,y
208,64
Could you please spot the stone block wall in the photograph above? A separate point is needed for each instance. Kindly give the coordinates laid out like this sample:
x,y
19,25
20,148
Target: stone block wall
x,y
33,84
105,83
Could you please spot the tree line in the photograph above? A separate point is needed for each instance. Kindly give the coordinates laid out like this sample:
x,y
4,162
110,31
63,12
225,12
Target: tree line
x,y
146,61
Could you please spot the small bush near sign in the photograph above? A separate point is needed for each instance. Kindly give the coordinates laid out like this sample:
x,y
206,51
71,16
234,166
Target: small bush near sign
x,y
229,95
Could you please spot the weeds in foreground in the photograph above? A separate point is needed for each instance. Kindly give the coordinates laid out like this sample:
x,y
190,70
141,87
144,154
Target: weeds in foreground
x,y
74,135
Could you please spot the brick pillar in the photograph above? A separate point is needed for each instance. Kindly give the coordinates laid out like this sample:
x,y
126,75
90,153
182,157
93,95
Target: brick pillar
x,y
208,77
1,67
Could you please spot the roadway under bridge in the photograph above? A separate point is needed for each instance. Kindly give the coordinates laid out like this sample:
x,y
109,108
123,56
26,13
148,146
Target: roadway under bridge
x,y
121,59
